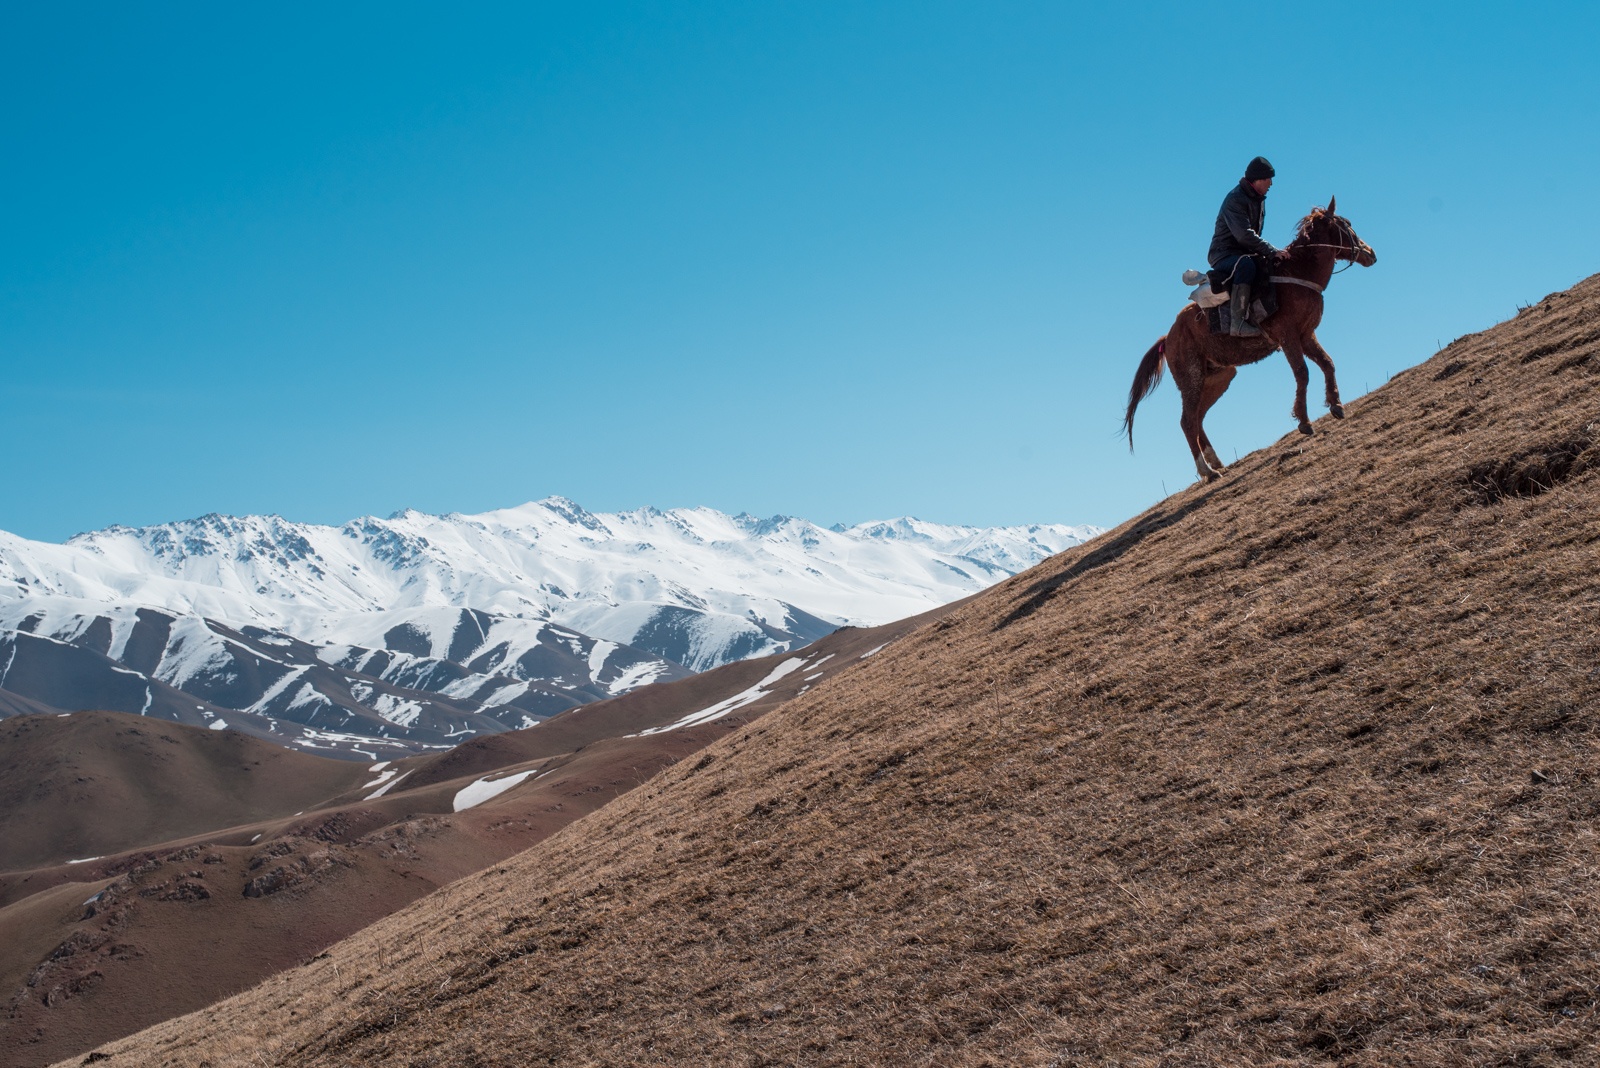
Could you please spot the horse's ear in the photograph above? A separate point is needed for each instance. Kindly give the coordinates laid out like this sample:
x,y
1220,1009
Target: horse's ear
x,y
1330,205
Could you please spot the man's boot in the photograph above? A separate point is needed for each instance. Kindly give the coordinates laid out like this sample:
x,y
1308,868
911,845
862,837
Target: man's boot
x,y
1238,308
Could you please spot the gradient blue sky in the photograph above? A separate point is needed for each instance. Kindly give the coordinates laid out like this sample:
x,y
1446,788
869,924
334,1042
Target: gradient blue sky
x,y
844,261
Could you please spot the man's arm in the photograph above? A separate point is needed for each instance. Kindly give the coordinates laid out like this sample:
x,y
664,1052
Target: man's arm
x,y
1237,218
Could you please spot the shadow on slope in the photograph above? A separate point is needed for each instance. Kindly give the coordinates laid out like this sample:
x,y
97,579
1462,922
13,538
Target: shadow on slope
x,y
1104,550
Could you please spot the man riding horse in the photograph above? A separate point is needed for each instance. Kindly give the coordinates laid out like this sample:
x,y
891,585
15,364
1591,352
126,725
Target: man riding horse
x,y
1239,256
1203,363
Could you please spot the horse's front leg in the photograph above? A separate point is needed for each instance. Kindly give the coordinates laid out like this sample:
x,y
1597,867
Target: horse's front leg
x,y
1320,357
1297,364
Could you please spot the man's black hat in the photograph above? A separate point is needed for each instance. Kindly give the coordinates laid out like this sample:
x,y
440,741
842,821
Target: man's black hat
x,y
1259,168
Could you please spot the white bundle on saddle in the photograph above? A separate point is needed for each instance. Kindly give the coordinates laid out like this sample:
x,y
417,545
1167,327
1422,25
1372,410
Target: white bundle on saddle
x,y
1203,294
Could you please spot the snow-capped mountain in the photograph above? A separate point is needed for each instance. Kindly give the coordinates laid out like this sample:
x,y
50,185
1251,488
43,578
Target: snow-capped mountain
x,y
418,629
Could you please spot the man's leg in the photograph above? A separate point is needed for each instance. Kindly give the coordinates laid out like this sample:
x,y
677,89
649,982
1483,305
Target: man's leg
x,y
1244,276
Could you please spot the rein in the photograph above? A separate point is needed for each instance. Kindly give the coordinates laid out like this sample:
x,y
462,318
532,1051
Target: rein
x,y
1307,283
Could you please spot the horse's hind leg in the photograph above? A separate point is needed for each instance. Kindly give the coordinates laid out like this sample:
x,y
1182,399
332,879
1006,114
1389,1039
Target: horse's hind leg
x,y
1189,388
1186,362
1320,357
1209,453
1214,386
1190,422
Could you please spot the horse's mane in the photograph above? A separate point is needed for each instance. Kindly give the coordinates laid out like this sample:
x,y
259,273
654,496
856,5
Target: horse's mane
x,y
1303,228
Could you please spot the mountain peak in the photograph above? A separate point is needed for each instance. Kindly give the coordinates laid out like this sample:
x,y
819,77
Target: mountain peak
x,y
574,513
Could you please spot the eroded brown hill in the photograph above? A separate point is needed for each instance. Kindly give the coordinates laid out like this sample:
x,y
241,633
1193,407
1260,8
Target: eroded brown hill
x,y
1295,768
274,855
93,783
94,951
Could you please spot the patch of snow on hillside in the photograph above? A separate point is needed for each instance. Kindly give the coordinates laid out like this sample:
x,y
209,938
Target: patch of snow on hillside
x,y
597,657
289,678
193,649
640,674
355,743
397,710
381,779
306,696
484,789
505,695
219,725
124,617
463,688
730,704
386,787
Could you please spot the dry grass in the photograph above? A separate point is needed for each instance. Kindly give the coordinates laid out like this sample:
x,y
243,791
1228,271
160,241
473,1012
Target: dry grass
x,y
1292,769
168,932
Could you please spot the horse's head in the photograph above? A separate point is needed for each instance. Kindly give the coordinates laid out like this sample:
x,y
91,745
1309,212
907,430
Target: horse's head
x,y
1324,227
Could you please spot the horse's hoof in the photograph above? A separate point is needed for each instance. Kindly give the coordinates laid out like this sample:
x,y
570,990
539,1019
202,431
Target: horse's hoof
x,y
1336,410
1305,428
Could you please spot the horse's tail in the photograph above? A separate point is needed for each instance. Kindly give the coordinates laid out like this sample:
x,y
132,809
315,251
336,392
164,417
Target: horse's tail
x,y
1145,380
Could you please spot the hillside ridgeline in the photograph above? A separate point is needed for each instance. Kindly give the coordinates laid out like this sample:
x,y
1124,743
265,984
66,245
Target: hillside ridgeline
x,y
1294,768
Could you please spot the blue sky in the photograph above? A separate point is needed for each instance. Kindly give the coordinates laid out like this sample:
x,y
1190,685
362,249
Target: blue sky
x,y
844,261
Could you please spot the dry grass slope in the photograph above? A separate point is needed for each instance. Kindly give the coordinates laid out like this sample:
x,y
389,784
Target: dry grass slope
x,y
1293,769
93,951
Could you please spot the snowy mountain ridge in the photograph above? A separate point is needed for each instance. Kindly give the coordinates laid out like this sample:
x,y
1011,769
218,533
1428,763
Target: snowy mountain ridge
x,y
511,614
548,559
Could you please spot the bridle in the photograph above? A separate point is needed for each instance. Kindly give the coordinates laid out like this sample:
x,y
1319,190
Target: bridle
x,y
1354,247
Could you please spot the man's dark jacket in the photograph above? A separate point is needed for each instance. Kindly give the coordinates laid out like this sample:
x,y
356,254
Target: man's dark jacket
x,y
1239,223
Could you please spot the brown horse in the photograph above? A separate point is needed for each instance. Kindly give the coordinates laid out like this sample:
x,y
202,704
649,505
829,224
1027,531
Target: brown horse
x,y
1203,363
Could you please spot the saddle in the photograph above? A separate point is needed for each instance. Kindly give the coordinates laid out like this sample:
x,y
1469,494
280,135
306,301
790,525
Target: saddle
x,y
1214,302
